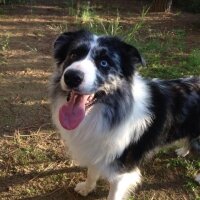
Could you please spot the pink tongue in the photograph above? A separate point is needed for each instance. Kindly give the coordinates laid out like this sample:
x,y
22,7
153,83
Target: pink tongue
x,y
72,113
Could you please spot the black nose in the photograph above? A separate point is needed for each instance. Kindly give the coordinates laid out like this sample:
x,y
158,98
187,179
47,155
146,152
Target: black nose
x,y
73,78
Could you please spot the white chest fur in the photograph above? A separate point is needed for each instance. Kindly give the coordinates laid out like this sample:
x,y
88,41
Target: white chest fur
x,y
92,143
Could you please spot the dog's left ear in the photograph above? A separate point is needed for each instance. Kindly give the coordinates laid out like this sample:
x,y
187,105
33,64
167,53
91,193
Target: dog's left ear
x,y
135,56
131,59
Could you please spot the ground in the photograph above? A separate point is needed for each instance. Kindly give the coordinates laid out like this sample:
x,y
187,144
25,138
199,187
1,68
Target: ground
x,y
32,160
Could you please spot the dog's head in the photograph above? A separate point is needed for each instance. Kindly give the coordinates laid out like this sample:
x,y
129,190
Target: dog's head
x,y
91,66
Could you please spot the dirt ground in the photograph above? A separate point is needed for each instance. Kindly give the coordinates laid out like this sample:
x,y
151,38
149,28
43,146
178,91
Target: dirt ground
x,y
31,156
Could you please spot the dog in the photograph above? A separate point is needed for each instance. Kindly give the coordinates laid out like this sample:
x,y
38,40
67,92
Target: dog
x,y
110,117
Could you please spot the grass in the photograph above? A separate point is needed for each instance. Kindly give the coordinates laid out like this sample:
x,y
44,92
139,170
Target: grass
x,y
4,47
159,48
4,43
189,168
32,160
33,156
112,27
194,59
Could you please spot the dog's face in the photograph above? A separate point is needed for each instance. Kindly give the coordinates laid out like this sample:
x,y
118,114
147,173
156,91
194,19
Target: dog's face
x,y
89,61
92,65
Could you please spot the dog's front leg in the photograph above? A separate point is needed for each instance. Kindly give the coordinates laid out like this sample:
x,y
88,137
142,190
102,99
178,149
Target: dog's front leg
x,y
123,184
84,188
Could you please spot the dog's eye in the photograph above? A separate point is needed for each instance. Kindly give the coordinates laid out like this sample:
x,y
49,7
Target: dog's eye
x,y
73,56
104,64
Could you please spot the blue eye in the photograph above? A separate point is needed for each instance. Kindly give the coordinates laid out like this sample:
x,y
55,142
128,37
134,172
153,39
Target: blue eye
x,y
104,63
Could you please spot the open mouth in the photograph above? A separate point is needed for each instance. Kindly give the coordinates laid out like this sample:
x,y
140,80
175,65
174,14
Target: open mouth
x,y
89,100
72,113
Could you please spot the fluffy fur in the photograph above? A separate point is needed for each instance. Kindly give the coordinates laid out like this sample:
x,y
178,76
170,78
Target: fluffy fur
x,y
129,117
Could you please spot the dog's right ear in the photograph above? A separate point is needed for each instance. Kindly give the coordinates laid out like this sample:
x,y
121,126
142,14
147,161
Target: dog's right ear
x,y
63,43
61,46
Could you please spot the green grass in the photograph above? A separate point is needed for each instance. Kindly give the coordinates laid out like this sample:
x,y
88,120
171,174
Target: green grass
x,y
4,47
191,167
113,27
194,59
188,168
164,51
4,43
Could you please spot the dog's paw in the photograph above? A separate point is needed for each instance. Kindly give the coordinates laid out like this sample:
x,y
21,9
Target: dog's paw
x,y
83,189
182,152
197,178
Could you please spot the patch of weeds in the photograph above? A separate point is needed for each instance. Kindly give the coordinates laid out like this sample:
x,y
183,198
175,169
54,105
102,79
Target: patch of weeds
x,y
86,13
164,44
87,18
179,33
178,162
115,28
193,187
39,33
4,43
164,52
158,48
187,168
155,70
194,58
112,28
4,47
83,12
193,62
130,35
2,11
133,34
190,167
71,7
58,28
179,39
31,49
154,46
24,154
34,164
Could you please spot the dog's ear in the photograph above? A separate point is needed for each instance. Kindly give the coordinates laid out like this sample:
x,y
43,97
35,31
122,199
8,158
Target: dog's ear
x,y
61,46
63,43
135,56
131,59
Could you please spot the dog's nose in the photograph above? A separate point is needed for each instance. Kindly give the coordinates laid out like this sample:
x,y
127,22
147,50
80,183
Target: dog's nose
x,y
73,78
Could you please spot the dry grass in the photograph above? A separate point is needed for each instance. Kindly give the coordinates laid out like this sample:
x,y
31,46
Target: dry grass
x,y
32,160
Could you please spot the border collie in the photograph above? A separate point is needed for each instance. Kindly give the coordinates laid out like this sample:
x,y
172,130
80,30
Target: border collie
x,y
109,117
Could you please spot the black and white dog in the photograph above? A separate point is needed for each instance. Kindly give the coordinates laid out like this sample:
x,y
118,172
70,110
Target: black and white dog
x,y
109,117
